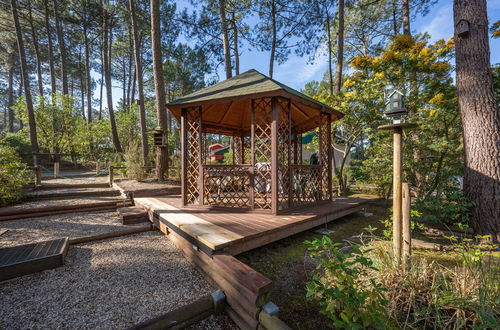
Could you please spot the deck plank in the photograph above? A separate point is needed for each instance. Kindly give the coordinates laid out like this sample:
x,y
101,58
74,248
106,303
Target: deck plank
x,y
227,230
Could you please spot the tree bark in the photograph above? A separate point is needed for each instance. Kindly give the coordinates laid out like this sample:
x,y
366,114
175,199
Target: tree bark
x,y
340,48
480,117
236,50
87,73
34,40
406,17
225,39
82,87
25,80
10,96
273,41
161,111
329,41
62,49
50,49
106,43
138,70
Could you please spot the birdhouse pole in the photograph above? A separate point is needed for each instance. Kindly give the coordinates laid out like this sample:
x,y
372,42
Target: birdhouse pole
x,y
395,110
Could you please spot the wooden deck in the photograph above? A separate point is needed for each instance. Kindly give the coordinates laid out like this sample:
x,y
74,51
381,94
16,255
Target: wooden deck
x,y
234,232
26,259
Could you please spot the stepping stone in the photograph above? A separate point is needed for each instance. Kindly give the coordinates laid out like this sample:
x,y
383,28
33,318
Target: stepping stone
x,y
132,215
30,258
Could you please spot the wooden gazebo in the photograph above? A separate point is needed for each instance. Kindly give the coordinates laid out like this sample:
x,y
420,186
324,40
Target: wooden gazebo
x,y
266,120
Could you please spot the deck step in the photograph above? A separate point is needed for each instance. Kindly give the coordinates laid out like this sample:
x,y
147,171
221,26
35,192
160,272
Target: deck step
x,y
30,258
132,215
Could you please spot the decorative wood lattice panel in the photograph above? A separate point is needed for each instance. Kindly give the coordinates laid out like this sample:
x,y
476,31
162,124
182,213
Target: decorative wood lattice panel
x,y
226,186
262,152
324,132
193,155
237,151
284,145
247,155
306,184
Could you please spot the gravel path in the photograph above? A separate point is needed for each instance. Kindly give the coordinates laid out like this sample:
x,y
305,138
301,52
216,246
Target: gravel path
x,y
30,230
58,202
110,284
131,185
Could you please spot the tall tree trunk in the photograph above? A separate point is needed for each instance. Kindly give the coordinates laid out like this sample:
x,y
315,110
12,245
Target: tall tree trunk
x,y
62,49
82,87
50,49
161,111
37,51
480,117
225,39
329,41
395,18
138,70
406,17
106,43
134,83
87,73
10,95
273,41
340,48
236,50
25,80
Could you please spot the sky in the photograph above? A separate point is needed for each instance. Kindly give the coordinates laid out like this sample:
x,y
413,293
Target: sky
x,y
296,72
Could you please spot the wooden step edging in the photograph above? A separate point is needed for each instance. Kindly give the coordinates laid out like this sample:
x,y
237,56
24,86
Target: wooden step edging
x,y
14,214
113,234
184,316
69,186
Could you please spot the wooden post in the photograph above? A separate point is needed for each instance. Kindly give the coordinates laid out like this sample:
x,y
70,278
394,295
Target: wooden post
x,y
97,168
38,175
397,193
406,222
274,156
56,170
252,157
201,159
184,156
111,175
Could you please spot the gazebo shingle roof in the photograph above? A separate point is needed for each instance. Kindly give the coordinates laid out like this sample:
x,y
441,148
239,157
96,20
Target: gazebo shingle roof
x,y
227,105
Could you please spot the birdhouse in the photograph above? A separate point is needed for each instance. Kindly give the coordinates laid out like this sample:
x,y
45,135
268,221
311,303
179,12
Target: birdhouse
x,y
158,137
463,28
395,107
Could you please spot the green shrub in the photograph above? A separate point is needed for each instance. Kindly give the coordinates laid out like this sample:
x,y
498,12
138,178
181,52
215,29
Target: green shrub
x,y
451,207
19,141
13,176
134,161
346,291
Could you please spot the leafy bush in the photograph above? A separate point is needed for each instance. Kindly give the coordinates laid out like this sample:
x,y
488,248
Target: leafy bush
x,y
134,161
13,176
451,207
349,295
19,142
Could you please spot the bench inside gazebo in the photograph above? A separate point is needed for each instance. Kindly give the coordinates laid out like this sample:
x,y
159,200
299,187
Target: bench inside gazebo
x,y
267,188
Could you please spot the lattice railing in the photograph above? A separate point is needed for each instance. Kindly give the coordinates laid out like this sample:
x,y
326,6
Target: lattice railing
x,y
262,152
324,153
193,155
227,185
306,184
